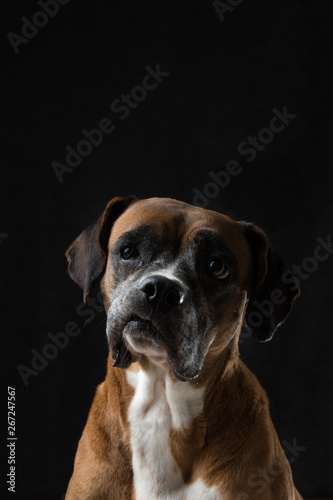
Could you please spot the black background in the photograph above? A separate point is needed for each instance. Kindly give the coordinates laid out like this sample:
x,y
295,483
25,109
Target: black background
x,y
225,79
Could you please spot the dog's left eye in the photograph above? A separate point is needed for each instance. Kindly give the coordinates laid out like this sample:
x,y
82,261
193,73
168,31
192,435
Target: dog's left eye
x,y
129,252
218,268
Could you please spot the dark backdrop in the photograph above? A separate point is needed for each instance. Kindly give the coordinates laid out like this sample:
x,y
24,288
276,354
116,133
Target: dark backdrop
x,y
227,72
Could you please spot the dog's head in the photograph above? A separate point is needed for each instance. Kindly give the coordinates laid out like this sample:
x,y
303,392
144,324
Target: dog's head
x,y
177,278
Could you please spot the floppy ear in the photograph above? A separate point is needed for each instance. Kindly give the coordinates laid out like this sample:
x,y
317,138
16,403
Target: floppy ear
x,y
88,253
274,288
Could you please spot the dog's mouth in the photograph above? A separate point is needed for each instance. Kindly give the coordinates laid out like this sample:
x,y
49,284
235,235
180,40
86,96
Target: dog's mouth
x,y
139,337
136,324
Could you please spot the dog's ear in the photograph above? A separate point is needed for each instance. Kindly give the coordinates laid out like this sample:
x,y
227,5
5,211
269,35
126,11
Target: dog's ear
x,y
273,289
88,253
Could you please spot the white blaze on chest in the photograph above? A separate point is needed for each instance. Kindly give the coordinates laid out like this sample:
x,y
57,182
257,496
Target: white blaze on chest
x,y
159,406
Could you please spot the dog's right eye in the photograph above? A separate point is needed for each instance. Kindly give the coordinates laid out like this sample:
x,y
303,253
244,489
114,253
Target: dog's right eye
x,y
129,252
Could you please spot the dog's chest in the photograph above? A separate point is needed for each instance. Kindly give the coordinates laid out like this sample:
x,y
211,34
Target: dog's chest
x,y
159,406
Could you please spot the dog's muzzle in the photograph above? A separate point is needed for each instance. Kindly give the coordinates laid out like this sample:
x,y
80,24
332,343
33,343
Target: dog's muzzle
x,y
155,302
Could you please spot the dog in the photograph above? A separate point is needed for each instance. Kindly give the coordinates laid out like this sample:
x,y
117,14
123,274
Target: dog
x,y
179,416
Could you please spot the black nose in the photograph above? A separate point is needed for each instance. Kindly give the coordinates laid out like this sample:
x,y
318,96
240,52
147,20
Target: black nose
x,y
162,291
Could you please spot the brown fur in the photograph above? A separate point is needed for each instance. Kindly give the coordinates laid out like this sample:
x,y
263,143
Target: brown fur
x,y
233,438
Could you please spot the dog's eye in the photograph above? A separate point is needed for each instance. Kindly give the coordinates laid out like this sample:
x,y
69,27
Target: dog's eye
x,y
218,268
129,252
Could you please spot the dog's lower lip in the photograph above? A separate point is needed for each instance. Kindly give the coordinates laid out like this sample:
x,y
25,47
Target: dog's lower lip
x,y
141,322
142,332
137,326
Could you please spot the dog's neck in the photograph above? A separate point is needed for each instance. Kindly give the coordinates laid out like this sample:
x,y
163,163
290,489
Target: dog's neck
x,y
163,419
150,381
167,430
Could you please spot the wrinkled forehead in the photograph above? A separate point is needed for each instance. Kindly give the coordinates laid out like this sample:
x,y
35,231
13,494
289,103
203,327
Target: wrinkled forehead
x,y
179,224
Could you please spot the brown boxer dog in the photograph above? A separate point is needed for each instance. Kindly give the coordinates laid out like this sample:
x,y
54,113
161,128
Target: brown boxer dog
x,y
179,416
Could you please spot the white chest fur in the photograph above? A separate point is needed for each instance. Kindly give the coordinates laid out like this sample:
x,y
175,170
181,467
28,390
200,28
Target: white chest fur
x,y
159,406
